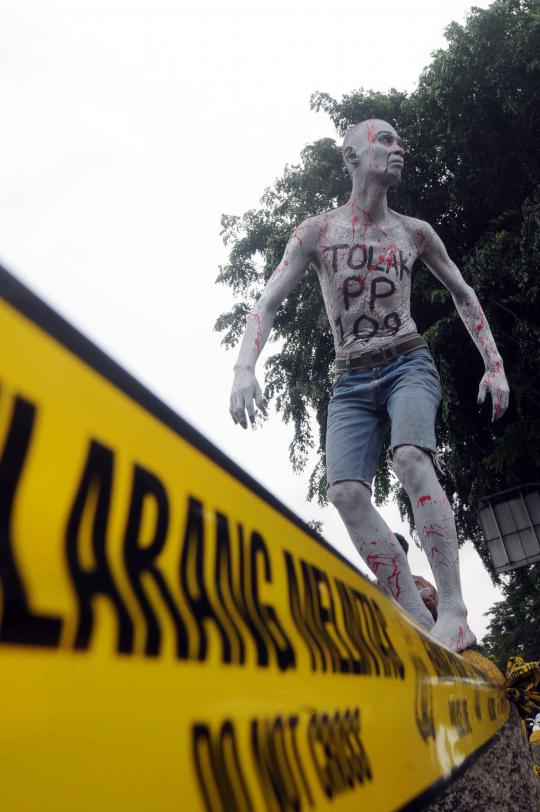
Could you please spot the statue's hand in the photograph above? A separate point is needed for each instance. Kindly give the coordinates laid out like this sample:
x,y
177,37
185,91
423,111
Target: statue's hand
x,y
494,381
245,392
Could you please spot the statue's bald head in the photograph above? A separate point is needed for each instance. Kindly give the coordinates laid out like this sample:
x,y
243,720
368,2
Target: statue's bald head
x,y
359,137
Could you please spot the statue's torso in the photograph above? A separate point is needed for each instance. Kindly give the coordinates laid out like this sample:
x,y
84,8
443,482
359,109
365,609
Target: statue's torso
x,y
365,277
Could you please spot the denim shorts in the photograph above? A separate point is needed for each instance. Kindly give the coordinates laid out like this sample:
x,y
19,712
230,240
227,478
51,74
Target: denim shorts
x,y
404,394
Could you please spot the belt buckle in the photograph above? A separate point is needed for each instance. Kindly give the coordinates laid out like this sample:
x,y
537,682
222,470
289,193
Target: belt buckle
x,y
348,363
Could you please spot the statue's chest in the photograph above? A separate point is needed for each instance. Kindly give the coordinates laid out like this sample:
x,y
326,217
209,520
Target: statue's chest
x,y
361,274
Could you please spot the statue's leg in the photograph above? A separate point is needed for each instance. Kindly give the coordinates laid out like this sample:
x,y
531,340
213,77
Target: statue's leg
x,y
378,547
414,394
357,422
437,531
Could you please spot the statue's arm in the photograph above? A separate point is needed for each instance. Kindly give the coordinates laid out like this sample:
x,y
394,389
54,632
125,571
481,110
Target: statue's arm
x,y
494,381
246,390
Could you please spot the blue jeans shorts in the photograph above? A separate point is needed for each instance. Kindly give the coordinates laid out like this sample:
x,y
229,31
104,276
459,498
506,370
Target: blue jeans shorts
x,y
404,394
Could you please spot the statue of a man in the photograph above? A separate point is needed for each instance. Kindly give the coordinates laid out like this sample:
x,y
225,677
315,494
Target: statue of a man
x,y
363,253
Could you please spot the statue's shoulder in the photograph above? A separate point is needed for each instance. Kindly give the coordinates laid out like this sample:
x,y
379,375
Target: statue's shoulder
x,y
410,223
418,230
318,220
311,230
309,223
333,218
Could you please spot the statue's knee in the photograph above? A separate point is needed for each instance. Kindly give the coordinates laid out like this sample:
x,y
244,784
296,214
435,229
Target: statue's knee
x,y
411,464
349,495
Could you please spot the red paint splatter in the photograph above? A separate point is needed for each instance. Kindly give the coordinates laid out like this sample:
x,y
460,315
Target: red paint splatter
x,y
354,220
377,560
423,499
323,229
258,335
433,530
480,323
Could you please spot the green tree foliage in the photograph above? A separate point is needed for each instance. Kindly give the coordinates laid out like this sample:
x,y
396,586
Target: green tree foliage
x,y
514,626
473,171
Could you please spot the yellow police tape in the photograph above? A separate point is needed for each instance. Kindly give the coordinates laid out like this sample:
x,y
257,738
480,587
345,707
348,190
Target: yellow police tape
x,y
172,637
523,684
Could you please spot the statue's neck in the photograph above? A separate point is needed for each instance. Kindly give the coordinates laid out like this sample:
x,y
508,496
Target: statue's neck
x,y
368,201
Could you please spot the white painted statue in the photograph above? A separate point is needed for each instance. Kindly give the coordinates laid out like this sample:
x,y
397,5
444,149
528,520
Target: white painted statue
x,y
364,253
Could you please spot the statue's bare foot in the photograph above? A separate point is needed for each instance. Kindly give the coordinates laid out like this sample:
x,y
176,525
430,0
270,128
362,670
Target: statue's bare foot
x,y
453,631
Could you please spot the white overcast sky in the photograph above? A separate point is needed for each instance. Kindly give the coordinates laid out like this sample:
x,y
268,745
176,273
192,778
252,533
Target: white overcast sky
x,y
130,126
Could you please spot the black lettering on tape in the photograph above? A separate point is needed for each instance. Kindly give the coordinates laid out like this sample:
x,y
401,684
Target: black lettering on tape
x,y
393,664
316,622
459,716
219,770
267,766
423,699
140,557
282,778
90,513
230,759
283,649
363,766
477,705
284,758
337,752
225,587
244,592
299,614
194,587
447,664
355,641
367,661
369,623
19,625
314,617
318,756
293,727
342,656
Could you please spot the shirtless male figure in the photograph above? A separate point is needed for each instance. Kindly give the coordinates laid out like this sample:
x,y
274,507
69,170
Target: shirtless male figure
x,y
363,253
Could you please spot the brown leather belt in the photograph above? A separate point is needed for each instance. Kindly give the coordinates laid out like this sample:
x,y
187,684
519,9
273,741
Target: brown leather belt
x,y
374,358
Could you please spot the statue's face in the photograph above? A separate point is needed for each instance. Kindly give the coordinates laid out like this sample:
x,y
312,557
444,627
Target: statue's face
x,y
380,151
